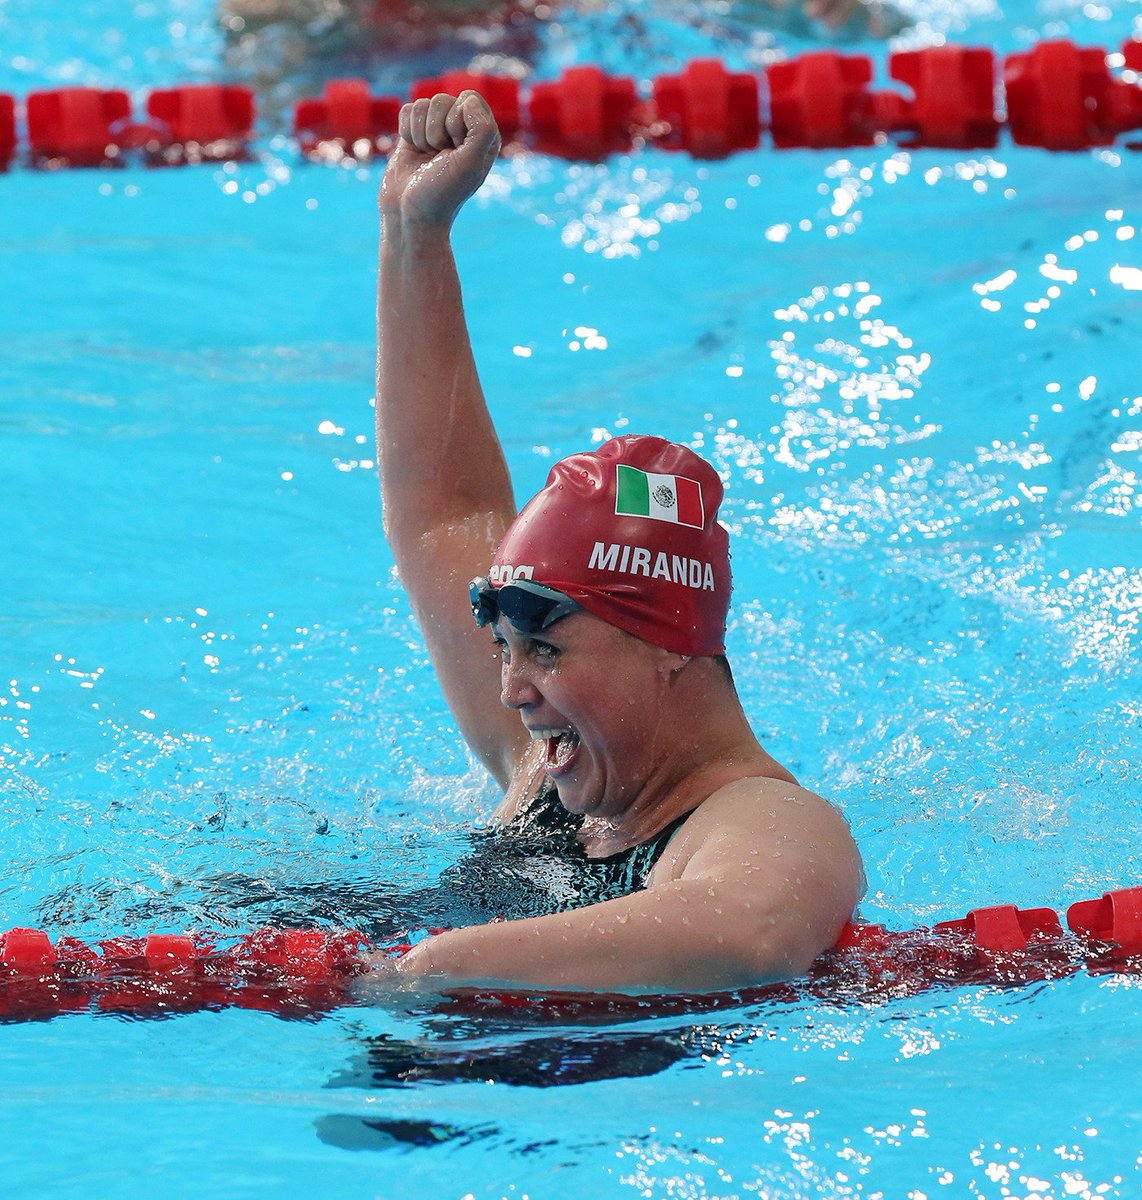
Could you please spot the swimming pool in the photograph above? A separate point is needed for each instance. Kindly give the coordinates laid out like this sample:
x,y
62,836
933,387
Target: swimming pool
x,y
919,374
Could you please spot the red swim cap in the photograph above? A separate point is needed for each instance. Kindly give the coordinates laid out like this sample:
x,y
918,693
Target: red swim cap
x,y
631,531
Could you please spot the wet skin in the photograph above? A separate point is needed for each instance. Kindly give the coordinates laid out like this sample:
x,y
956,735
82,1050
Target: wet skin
x,y
586,676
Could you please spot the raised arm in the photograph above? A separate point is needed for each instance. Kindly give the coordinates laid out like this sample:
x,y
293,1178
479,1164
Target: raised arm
x,y
446,494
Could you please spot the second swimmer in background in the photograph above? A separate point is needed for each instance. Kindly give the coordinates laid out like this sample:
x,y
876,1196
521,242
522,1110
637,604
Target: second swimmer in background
x,y
580,645
273,39
379,13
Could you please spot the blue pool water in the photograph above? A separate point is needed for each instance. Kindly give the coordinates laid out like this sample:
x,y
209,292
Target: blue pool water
x,y
919,375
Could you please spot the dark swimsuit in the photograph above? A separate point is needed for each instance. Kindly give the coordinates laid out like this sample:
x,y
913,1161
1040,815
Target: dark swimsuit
x,y
546,835
535,864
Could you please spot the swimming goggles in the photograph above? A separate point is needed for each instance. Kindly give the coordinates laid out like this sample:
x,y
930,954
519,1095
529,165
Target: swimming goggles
x,y
529,606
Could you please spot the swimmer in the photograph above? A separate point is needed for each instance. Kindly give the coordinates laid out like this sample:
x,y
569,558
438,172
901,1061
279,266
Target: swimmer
x,y
585,662
287,49
394,21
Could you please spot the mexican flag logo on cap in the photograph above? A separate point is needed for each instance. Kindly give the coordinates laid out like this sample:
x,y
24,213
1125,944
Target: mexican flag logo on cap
x,y
672,498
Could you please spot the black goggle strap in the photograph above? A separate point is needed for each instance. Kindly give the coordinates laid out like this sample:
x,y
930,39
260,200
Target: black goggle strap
x,y
483,598
527,605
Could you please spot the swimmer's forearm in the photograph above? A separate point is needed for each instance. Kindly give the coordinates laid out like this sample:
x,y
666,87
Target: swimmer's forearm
x,y
439,456
669,938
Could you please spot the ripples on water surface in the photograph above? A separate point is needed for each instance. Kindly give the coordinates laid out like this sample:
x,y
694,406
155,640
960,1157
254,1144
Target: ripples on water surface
x,y
918,374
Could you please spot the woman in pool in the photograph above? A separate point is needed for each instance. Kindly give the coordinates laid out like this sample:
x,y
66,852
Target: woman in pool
x,y
592,682
288,48
238,15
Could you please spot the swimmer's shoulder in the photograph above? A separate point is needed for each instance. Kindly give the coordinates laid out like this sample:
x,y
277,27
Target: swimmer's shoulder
x,y
757,815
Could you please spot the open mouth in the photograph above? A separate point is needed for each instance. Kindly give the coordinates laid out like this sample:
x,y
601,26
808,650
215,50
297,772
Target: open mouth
x,y
561,746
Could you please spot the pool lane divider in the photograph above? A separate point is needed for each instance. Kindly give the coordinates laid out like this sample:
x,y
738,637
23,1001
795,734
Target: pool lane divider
x,y
303,972
1056,95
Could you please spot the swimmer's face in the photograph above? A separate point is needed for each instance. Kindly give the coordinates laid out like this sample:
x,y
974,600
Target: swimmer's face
x,y
593,695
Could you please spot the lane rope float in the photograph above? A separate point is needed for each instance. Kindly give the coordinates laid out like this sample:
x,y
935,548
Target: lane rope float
x,y
1057,96
301,972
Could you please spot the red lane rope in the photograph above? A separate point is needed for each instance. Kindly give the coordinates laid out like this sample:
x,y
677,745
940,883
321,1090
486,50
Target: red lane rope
x,y
1057,96
305,971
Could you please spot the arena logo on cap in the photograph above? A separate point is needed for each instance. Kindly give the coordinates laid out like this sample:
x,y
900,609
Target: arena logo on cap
x,y
505,573
671,498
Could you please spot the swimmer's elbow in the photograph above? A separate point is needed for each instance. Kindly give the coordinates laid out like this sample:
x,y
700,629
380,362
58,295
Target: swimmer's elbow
x,y
758,941
768,955
745,959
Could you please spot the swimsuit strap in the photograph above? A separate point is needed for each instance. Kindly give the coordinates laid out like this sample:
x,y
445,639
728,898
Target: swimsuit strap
x,y
546,816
